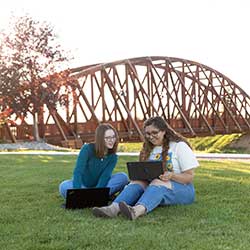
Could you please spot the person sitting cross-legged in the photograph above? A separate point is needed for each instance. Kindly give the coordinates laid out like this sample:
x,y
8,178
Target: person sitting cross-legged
x,y
95,164
173,187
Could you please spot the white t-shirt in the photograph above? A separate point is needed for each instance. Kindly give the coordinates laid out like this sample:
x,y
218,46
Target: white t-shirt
x,y
180,157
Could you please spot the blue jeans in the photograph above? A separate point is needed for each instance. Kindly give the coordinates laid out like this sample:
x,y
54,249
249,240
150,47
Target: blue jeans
x,y
116,183
157,195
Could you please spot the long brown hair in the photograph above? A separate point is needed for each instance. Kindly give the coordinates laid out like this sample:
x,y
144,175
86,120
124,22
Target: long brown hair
x,y
170,135
100,148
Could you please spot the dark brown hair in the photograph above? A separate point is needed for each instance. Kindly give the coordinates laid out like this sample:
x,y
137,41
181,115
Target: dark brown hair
x,y
100,148
170,135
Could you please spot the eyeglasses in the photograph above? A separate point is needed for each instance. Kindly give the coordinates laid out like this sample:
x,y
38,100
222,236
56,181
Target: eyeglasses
x,y
109,138
153,133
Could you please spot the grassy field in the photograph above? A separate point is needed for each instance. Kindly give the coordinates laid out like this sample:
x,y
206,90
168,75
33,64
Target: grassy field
x,y
31,217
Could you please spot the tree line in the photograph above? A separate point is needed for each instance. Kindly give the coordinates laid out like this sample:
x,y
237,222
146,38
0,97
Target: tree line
x,y
33,70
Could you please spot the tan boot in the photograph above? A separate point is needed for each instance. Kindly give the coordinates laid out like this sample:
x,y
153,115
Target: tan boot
x,y
131,213
110,211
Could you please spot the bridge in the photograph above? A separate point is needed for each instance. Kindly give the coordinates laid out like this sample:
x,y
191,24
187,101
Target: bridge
x,y
193,98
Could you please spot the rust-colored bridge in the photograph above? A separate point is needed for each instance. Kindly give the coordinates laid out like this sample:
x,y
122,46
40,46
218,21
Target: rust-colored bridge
x,y
195,100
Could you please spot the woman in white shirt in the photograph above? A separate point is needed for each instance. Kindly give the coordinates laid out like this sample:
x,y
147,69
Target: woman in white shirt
x,y
175,186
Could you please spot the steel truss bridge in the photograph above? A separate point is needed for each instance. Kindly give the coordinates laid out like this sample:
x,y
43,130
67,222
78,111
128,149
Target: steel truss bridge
x,y
195,100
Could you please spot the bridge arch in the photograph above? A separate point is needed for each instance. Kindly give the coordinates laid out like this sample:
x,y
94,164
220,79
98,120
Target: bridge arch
x,y
195,99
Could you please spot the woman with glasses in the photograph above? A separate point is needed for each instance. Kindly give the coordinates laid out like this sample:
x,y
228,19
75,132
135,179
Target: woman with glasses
x,y
96,162
175,186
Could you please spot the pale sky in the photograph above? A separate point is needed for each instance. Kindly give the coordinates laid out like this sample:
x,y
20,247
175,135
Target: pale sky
x,y
211,32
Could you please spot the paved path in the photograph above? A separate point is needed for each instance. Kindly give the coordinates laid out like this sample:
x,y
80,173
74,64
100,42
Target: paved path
x,y
29,146
52,150
209,155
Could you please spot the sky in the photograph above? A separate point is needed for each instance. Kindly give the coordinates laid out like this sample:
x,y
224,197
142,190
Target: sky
x,y
211,32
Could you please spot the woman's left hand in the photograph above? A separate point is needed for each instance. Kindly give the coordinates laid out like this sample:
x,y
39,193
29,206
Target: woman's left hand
x,y
166,176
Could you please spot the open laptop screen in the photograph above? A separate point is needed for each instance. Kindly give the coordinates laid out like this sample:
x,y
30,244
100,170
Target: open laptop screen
x,y
145,170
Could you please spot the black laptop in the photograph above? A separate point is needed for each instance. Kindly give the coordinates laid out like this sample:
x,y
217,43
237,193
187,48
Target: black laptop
x,y
87,197
144,170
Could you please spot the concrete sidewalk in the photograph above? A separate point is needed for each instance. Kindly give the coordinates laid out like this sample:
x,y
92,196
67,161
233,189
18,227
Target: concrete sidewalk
x,y
223,156
198,155
208,155
42,148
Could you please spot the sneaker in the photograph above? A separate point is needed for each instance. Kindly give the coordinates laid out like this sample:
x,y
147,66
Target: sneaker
x,y
106,212
127,211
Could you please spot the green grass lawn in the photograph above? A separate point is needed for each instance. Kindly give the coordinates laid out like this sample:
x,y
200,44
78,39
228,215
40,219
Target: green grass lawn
x,y
31,217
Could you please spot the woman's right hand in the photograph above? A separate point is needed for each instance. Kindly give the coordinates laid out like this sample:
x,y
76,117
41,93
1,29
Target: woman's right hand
x,y
166,176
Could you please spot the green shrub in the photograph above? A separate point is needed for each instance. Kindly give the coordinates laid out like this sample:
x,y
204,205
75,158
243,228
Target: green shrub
x,y
215,144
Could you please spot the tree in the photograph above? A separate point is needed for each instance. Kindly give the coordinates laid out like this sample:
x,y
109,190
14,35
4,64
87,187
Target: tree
x,y
32,69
